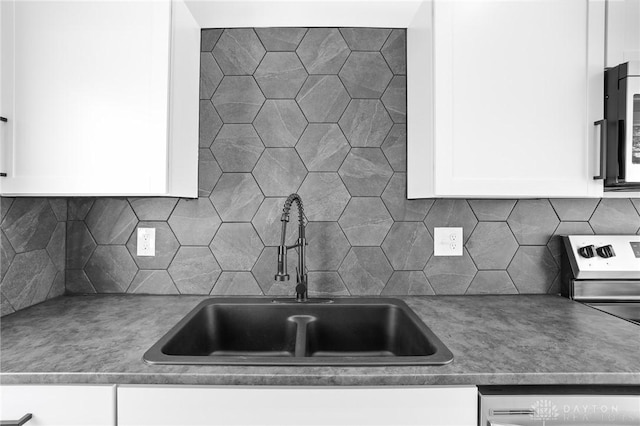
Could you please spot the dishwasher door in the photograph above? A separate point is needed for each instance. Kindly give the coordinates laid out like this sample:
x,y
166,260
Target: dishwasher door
x,y
550,406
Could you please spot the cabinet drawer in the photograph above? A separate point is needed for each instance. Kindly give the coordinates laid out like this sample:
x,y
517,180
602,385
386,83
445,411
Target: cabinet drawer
x,y
184,405
59,405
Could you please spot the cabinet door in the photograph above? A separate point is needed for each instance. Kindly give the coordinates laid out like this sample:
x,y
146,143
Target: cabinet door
x,y
185,406
88,98
80,405
518,86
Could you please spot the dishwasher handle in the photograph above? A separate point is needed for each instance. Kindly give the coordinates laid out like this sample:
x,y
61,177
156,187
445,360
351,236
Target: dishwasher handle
x,y
18,422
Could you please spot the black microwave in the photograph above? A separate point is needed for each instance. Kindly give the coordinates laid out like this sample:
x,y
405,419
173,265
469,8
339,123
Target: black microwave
x,y
620,129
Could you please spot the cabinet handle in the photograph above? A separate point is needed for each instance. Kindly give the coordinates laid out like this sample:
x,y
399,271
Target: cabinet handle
x,y
603,147
4,120
19,422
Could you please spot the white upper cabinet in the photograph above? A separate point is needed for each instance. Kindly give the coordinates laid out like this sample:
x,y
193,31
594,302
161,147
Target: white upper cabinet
x,y
623,31
88,92
517,87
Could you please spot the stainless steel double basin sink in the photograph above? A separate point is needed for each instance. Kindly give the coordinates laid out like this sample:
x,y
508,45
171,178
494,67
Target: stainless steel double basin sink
x,y
261,331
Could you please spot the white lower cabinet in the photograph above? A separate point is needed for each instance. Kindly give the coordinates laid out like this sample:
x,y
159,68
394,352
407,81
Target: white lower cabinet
x,y
79,405
204,405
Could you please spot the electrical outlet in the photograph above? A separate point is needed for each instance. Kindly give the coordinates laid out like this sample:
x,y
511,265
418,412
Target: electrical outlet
x,y
146,242
447,241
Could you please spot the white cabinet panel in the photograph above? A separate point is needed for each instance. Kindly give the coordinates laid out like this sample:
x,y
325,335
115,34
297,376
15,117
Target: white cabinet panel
x,y
80,405
513,87
87,97
184,406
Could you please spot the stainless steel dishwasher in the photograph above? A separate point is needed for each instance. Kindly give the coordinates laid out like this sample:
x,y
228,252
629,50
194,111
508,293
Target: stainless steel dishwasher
x,y
559,406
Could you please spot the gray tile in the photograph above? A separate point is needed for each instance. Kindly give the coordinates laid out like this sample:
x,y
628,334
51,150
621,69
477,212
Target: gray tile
x,y
450,274
236,197
365,75
80,244
326,284
265,268
208,172
492,282
5,205
280,123
238,51
450,212
152,282
366,221
153,208
365,172
402,209
365,38
279,172
29,224
194,270
111,269
6,255
533,222
57,246
210,75
532,269
280,75
209,38
28,279
365,123
5,306
58,286
324,196
78,208
166,246
395,51
237,148
111,221
492,210
59,207
492,245
323,98
566,228
365,271
574,209
612,216
236,284
280,39
395,99
209,125
236,246
395,147
407,283
327,246
238,99
77,282
323,147
194,222
408,246
636,204
268,225
323,51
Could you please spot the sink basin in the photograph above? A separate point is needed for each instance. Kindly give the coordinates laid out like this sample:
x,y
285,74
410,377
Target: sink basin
x,y
260,331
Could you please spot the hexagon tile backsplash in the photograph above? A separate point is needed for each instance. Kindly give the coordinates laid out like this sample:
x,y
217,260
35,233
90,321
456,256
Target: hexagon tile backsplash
x,y
321,112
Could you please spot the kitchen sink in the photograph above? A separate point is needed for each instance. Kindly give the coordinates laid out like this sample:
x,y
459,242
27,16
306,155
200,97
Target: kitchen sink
x,y
261,331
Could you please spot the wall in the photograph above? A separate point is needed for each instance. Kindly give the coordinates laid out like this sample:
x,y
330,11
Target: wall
x,y
32,249
321,113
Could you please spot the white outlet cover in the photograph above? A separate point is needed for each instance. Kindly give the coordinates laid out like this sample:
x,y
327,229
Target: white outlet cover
x,y
146,242
447,242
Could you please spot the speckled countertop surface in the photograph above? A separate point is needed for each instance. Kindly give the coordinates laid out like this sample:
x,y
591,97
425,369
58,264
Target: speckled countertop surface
x,y
495,340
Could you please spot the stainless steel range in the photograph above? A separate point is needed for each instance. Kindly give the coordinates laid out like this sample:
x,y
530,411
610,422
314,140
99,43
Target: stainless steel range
x,y
603,271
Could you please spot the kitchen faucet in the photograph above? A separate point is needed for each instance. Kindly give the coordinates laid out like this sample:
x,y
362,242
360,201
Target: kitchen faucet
x,y
301,273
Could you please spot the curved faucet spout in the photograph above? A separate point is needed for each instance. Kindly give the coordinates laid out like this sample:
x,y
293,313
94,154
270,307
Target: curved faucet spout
x,y
301,272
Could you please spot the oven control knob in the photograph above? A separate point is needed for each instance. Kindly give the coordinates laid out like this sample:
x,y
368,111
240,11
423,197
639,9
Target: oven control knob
x,y
605,251
587,251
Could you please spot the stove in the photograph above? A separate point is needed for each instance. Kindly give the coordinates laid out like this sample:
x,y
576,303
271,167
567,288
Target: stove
x,y
603,271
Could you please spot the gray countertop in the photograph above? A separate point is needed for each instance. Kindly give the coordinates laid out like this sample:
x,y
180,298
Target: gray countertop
x,y
495,340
